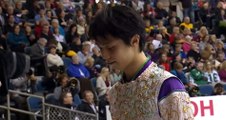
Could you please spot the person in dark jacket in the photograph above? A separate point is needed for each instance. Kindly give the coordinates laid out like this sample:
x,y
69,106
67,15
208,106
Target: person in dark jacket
x,y
88,104
66,99
187,9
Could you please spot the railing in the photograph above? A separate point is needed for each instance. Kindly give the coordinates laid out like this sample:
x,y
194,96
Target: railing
x,y
9,108
47,111
60,113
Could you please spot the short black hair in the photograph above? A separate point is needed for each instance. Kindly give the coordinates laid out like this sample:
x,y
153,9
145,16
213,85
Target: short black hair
x,y
121,22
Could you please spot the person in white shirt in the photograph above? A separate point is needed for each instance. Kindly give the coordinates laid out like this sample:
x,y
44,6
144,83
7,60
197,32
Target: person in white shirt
x,y
103,82
210,73
53,59
57,35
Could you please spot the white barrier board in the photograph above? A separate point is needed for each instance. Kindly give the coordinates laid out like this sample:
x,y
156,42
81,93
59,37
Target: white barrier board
x,y
205,108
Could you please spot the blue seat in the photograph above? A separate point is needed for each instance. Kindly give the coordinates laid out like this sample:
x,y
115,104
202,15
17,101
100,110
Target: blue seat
x,y
50,98
206,89
94,82
67,61
224,87
76,100
39,87
34,104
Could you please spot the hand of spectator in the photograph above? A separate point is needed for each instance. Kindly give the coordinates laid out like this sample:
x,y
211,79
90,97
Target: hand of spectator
x,y
64,23
33,77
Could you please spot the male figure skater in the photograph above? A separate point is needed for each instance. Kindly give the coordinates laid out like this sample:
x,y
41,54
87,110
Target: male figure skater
x,y
145,92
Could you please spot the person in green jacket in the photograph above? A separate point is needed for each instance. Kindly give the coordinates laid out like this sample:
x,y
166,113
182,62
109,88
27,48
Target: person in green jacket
x,y
198,75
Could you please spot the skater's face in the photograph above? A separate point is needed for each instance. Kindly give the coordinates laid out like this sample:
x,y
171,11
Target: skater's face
x,y
116,53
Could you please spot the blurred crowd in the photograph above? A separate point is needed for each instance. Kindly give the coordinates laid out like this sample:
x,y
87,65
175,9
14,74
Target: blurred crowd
x,y
185,37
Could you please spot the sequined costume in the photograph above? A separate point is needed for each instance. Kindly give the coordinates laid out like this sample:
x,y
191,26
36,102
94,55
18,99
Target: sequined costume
x,y
140,100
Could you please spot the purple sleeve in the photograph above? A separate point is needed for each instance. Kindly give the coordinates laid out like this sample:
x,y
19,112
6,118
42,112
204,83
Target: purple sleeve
x,y
170,85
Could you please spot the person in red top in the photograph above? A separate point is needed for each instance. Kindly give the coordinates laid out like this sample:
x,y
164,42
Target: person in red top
x,y
176,32
164,62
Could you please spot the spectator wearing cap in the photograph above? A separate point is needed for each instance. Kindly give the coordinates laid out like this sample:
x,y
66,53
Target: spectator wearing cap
x,y
70,53
76,69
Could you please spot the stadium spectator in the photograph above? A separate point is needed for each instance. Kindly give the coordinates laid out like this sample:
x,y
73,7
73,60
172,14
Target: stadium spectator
x,y
198,74
85,52
210,73
103,82
178,71
76,69
89,64
17,39
222,72
54,60
88,104
66,100
219,89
